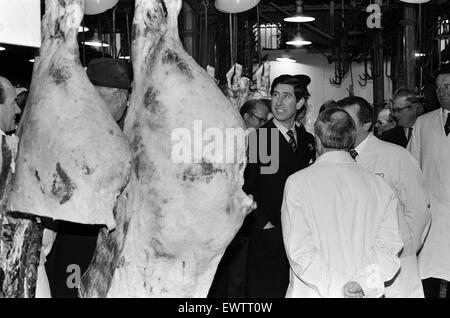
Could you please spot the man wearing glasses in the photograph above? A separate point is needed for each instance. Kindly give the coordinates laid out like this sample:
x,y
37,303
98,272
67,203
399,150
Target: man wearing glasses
x,y
406,107
254,112
430,144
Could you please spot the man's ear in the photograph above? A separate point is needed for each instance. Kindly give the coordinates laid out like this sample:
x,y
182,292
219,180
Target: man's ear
x,y
300,103
319,147
367,126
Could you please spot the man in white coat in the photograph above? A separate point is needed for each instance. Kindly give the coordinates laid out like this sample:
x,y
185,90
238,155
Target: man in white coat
x,y
430,144
339,220
398,167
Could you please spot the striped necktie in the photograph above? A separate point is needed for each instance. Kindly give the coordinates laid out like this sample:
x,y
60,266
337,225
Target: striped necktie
x,y
292,142
354,154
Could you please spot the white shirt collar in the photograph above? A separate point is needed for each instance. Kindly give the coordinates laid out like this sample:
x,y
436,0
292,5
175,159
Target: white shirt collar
x,y
359,149
336,156
284,130
2,133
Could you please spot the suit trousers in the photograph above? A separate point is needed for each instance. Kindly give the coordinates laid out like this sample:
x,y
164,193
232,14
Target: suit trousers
x,y
432,287
230,275
74,245
267,265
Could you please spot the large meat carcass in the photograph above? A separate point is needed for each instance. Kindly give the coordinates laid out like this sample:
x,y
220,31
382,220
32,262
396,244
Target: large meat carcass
x,y
174,220
73,160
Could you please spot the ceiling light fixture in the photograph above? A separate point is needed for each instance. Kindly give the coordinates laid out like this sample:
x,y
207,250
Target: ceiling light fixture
x,y
95,41
2,48
286,59
299,17
124,57
415,1
96,44
298,41
83,29
31,60
235,6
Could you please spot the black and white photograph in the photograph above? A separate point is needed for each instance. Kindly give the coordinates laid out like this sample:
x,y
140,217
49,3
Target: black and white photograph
x,y
225,155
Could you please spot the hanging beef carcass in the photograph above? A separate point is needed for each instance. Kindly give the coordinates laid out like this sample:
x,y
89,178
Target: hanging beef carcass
x,y
73,160
174,219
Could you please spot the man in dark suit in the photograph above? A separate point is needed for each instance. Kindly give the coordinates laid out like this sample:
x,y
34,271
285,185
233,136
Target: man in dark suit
x,y
406,107
276,150
267,274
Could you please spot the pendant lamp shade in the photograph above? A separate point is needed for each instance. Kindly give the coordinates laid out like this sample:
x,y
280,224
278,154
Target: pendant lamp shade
x,y
299,16
415,1
298,41
95,41
235,6
92,7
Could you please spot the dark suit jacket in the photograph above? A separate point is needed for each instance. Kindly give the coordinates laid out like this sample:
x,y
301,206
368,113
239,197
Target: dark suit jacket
x,y
267,189
396,136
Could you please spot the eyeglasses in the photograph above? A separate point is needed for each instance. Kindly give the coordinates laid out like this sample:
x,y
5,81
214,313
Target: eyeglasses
x,y
261,120
398,110
443,86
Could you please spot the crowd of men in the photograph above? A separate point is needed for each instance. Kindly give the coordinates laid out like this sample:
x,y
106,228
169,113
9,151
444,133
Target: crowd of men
x,y
348,213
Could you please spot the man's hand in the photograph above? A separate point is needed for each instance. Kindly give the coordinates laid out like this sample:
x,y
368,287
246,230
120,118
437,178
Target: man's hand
x,y
353,290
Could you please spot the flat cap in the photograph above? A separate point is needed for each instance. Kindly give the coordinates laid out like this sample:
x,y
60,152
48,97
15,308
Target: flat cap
x,y
305,79
109,72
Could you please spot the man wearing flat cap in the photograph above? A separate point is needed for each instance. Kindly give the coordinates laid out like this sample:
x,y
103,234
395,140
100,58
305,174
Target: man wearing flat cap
x,y
112,79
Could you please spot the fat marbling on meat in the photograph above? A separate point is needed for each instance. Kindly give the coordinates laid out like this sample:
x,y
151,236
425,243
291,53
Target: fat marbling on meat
x,y
174,219
73,160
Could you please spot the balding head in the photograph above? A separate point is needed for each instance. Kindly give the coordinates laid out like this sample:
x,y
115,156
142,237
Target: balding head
x,y
335,130
8,105
254,112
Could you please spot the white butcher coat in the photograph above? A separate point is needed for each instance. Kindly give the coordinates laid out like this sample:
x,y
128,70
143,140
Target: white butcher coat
x,y
339,224
431,147
399,168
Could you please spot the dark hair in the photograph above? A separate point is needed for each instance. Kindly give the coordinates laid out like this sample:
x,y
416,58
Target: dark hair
x,y
411,97
2,94
299,87
445,69
268,102
251,105
410,94
336,129
365,113
328,104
